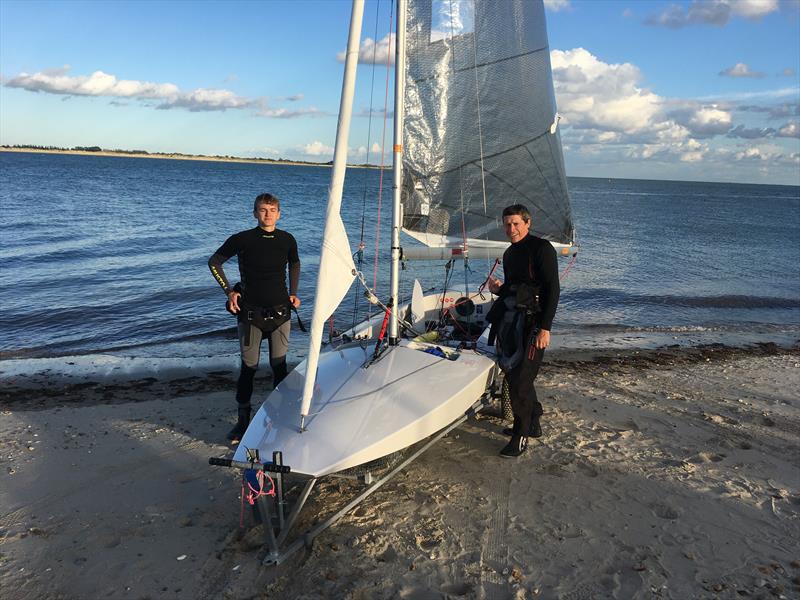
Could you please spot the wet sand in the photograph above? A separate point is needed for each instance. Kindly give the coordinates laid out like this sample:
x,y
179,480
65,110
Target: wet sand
x,y
661,474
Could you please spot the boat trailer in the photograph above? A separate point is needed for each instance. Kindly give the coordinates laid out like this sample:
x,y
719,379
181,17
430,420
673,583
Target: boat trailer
x,y
271,508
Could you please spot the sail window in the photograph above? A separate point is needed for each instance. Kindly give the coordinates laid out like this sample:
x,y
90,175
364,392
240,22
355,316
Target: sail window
x,y
451,18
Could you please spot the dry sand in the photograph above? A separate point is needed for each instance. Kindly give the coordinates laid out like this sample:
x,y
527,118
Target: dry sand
x,y
669,474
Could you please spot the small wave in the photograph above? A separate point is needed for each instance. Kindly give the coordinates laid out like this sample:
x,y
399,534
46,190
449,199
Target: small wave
x,y
618,328
617,297
60,349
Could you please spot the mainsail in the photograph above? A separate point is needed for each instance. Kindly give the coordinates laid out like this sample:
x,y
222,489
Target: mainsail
x,y
479,116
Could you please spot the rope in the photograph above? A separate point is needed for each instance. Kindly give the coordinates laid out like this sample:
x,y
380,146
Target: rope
x,y
254,494
488,277
564,274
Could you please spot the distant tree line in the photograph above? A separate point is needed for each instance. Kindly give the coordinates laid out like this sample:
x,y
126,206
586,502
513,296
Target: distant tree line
x,y
146,153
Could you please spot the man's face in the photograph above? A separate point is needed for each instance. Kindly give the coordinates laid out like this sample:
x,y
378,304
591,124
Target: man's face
x,y
267,215
516,228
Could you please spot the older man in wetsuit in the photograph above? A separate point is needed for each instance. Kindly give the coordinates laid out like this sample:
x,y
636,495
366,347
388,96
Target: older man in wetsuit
x,y
530,261
261,301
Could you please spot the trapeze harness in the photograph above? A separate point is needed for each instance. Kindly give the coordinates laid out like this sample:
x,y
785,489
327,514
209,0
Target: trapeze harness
x,y
266,318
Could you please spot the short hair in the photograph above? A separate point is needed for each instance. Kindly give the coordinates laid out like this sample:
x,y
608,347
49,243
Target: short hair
x,y
518,209
266,199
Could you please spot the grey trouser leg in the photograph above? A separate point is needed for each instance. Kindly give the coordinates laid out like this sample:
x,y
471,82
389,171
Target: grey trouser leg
x,y
278,346
250,346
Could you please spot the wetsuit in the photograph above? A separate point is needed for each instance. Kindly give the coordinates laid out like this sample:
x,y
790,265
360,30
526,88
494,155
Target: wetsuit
x,y
263,257
531,259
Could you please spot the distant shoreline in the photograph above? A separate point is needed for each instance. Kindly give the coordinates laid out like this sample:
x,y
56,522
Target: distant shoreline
x,y
178,156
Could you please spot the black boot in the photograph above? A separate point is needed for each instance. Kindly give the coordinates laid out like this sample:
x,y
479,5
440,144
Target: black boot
x,y
515,447
536,428
235,434
535,431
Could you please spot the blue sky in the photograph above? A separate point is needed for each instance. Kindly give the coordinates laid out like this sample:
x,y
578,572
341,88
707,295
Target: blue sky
x,y
688,90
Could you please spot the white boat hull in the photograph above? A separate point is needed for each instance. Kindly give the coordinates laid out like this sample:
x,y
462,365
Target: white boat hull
x,y
359,415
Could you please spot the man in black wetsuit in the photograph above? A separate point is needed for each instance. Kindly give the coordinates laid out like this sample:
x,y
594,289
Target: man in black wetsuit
x,y
261,301
529,260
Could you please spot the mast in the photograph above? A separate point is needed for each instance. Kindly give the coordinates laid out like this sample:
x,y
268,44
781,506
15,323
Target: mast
x,y
335,259
397,164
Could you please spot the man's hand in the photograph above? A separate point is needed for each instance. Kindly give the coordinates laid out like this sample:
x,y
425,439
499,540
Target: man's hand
x,y
542,339
295,301
494,285
233,301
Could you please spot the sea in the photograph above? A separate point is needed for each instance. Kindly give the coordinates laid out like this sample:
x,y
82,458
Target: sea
x,y
104,260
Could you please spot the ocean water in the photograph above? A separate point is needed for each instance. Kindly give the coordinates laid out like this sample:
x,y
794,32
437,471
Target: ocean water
x,y
107,256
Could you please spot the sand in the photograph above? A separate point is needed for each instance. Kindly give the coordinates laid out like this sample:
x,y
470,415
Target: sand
x,y
661,474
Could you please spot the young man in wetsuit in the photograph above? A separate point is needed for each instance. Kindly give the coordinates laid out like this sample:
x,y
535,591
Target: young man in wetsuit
x,y
261,301
531,260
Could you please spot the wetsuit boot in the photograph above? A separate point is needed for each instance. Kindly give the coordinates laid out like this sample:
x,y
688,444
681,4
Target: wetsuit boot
x,y
244,390
515,447
235,434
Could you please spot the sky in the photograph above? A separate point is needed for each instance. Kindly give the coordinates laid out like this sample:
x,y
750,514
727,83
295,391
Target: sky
x,y
696,90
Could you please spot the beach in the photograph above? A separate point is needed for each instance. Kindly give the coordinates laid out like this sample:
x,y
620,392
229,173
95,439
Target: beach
x,y
670,473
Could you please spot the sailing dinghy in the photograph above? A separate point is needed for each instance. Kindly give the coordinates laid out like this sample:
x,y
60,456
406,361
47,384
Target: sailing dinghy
x,y
475,130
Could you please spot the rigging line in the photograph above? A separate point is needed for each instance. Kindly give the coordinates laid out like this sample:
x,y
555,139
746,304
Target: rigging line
x,y
480,125
361,244
383,149
564,274
460,172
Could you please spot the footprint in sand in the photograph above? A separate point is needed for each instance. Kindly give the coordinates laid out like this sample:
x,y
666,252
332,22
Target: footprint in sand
x,y
665,511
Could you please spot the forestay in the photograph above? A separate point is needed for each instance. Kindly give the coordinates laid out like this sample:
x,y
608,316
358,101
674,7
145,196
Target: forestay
x,y
479,129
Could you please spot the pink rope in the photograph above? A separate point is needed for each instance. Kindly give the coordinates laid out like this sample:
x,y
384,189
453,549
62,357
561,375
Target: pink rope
x,y
564,274
254,494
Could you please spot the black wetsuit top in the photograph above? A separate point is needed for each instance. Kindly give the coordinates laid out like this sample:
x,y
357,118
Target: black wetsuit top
x,y
263,256
533,259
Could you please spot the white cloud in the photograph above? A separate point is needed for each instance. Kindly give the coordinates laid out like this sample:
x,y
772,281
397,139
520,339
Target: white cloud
x,y
593,94
740,70
316,148
712,12
707,121
753,133
753,9
756,153
285,113
608,117
557,5
790,130
57,81
206,100
371,51
100,84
